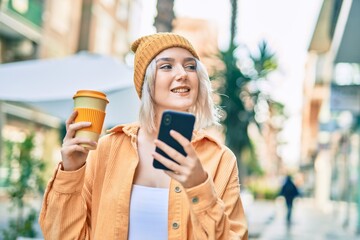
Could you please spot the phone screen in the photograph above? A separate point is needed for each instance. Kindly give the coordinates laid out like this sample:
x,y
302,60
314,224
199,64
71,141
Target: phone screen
x,y
181,122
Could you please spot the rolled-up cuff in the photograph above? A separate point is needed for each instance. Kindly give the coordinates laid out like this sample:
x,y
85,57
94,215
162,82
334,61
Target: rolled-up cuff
x,y
203,196
69,181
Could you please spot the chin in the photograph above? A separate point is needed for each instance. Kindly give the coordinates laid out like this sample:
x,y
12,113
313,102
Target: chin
x,y
181,107
178,109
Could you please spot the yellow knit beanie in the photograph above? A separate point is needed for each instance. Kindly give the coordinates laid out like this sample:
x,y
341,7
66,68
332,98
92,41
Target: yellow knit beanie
x,y
147,47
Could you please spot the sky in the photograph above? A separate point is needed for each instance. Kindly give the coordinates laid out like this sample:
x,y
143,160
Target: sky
x,y
286,25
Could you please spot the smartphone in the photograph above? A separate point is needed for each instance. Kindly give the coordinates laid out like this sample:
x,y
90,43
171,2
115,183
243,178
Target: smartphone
x,y
181,122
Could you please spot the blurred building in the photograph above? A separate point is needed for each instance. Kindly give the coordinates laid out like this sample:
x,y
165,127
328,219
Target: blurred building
x,y
34,29
203,34
330,133
21,24
45,28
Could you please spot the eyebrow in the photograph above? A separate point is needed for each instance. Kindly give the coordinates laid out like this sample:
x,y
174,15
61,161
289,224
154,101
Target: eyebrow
x,y
166,59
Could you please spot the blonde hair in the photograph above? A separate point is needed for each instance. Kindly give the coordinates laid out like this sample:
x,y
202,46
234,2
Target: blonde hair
x,y
205,111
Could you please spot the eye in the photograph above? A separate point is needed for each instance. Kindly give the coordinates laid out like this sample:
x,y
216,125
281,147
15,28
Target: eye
x,y
191,67
165,66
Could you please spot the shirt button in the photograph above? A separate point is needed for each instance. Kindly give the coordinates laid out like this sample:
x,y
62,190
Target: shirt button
x,y
195,200
177,189
175,225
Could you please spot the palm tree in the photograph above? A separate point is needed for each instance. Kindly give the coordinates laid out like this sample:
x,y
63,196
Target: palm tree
x,y
165,15
238,100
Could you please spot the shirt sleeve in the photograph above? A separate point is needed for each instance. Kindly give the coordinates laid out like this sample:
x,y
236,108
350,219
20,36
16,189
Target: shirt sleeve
x,y
65,212
218,218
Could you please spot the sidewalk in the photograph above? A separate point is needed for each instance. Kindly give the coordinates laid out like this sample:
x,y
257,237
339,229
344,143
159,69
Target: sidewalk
x,y
259,214
309,222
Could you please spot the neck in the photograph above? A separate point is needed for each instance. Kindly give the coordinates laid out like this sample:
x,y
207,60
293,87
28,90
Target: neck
x,y
148,135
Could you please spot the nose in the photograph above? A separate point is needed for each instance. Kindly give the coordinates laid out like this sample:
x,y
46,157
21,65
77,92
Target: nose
x,y
181,74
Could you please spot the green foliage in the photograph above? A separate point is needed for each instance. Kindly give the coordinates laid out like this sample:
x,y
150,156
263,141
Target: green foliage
x,y
265,62
24,177
250,161
25,229
236,117
261,190
240,101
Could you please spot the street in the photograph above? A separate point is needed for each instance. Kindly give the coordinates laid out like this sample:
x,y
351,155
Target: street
x,y
267,221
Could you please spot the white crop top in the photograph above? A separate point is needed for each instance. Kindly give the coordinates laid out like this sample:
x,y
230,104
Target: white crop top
x,y
148,213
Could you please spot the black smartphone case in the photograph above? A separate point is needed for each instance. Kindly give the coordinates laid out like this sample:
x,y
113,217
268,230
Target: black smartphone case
x,y
181,122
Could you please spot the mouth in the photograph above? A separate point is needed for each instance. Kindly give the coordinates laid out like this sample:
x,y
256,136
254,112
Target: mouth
x,y
180,90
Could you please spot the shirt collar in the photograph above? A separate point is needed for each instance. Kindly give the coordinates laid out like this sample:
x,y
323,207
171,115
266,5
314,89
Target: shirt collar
x,y
130,129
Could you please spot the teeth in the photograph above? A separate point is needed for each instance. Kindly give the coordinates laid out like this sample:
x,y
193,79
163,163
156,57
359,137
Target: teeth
x,y
180,90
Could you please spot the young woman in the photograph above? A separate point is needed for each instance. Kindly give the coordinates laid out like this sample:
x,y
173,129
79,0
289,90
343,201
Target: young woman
x,y
114,192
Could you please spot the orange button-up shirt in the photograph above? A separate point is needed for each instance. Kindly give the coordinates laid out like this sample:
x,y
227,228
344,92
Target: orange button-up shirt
x,y
94,201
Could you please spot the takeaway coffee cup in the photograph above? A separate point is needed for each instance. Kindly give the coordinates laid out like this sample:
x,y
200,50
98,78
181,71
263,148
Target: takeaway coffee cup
x,y
91,106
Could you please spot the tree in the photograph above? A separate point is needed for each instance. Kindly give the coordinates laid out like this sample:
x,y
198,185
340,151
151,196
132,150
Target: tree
x,y
165,15
24,178
239,100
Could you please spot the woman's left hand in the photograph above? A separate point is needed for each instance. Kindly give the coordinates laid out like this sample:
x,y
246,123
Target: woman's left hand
x,y
188,170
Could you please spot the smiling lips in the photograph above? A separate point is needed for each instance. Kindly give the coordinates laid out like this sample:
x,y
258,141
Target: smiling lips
x,y
180,90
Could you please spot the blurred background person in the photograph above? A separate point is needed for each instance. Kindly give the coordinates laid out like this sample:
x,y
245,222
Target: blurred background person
x,y
289,191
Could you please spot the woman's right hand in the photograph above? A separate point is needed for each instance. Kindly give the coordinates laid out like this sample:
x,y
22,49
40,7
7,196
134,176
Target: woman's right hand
x,y
73,154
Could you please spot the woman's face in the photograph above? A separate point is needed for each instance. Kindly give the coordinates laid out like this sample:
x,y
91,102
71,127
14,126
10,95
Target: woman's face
x,y
176,80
